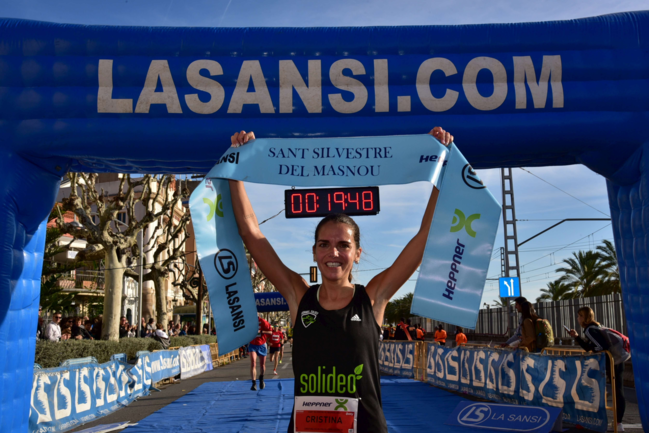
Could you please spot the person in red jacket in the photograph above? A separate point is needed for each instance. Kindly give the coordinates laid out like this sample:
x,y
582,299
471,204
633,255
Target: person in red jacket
x,y
257,349
276,341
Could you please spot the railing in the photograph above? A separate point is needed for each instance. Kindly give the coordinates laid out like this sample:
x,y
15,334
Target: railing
x,y
579,352
82,280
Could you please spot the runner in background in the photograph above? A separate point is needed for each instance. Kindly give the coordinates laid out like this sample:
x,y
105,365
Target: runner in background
x,y
598,338
257,349
276,340
401,333
440,335
412,331
386,333
392,332
460,338
281,348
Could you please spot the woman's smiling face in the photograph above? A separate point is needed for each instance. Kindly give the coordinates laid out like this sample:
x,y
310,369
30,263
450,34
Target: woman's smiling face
x,y
335,251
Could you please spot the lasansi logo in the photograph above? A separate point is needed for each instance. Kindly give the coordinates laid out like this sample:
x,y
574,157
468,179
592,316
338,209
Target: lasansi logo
x,y
460,221
215,208
332,383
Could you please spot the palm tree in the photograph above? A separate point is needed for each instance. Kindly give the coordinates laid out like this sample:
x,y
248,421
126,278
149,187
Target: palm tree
x,y
608,259
557,291
585,273
500,302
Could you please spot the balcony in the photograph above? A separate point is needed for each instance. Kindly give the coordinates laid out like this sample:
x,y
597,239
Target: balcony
x,y
82,281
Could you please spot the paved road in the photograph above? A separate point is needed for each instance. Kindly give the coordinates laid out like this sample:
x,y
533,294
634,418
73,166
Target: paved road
x,y
238,370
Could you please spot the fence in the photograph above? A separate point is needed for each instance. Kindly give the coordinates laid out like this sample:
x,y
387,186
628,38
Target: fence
x,y
609,311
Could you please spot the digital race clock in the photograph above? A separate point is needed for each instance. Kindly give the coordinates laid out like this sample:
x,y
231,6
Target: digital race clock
x,y
304,203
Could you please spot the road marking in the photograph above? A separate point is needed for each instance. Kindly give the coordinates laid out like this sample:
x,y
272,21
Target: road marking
x,y
286,365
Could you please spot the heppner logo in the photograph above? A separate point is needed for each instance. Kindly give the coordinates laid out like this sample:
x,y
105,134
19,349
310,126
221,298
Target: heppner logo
x,y
315,404
460,221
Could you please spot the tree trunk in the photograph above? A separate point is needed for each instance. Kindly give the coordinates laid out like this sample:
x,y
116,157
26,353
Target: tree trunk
x,y
160,298
148,301
114,277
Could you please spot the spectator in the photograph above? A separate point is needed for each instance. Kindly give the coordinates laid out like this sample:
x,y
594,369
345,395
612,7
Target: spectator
x,y
515,339
386,333
599,338
191,330
78,329
96,329
183,331
87,327
440,335
460,338
66,334
53,329
420,333
400,333
411,330
143,328
528,336
123,327
392,331
151,327
161,336
39,328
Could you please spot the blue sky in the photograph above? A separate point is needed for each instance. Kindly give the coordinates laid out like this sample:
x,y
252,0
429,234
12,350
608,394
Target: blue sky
x,y
384,236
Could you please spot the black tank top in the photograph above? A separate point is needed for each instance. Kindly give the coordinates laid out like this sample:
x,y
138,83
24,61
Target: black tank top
x,y
336,354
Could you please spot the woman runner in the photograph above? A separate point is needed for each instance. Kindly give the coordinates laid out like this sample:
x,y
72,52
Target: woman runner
x,y
336,323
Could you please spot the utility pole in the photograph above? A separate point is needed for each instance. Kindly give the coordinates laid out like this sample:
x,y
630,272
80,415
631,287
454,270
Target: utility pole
x,y
512,264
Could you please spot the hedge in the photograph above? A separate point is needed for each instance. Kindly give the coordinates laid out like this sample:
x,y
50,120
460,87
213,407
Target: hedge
x,y
51,354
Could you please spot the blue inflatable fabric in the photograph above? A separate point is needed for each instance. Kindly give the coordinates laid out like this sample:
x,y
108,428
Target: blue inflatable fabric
x,y
165,100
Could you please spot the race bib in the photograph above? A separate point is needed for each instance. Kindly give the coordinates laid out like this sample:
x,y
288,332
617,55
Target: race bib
x,y
325,414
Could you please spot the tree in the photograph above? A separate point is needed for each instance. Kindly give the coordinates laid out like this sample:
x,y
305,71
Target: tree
x,y
398,308
608,260
556,291
584,273
106,239
501,302
189,279
167,244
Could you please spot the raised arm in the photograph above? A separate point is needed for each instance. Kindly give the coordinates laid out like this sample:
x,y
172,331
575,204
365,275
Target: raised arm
x,y
291,285
382,287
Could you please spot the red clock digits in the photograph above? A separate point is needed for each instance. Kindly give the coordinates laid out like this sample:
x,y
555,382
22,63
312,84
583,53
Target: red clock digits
x,y
342,198
299,196
368,200
349,200
315,206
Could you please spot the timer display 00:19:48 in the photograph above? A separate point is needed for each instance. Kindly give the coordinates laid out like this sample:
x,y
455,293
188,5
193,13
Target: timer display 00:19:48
x,y
305,203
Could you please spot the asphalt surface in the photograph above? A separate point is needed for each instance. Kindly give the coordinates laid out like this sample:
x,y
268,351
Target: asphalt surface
x,y
240,370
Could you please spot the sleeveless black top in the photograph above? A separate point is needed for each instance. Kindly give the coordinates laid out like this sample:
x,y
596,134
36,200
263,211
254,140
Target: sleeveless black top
x,y
336,354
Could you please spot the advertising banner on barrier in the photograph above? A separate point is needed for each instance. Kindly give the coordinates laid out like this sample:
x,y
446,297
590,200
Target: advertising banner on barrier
x,y
397,358
207,354
192,361
65,397
164,364
577,384
271,301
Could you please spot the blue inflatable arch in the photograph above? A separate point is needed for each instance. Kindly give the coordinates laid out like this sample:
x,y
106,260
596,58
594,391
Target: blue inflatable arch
x,y
155,100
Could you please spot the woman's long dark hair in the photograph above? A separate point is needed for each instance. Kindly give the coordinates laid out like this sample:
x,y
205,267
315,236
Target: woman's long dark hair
x,y
340,218
527,309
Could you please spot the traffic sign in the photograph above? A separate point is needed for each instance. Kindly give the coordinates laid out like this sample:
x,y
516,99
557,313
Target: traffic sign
x,y
510,287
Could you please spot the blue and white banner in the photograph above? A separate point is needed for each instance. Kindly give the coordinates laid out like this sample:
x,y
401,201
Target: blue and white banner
x,y
397,358
272,301
65,397
207,355
164,364
463,228
192,361
577,384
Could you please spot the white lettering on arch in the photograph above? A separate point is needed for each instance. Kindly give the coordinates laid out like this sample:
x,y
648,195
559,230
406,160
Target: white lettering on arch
x,y
290,78
499,80
426,70
551,71
159,69
251,69
105,101
199,82
349,84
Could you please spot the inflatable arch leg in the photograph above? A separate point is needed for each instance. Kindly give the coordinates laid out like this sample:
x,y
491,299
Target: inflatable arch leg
x,y
26,198
630,215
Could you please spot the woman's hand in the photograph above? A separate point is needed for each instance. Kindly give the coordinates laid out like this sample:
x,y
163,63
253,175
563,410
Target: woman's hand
x,y
573,333
241,138
442,136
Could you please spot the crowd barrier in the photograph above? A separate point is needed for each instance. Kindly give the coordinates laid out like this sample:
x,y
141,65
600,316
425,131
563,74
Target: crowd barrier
x,y
576,382
81,390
